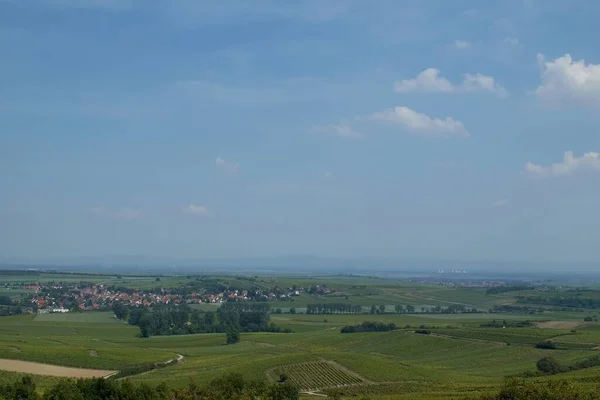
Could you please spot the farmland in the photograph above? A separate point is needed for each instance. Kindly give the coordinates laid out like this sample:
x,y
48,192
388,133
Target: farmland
x,y
460,356
317,375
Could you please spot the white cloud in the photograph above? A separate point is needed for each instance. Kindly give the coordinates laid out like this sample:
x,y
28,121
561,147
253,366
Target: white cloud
x,y
328,174
196,209
514,41
479,82
565,81
429,80
125,213
341,130
419,123
569,165
227,166
461,44
500,203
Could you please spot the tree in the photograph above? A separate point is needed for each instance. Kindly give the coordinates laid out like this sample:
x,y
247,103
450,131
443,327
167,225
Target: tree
x,y
382,309
145,325
283,391
588,319
548,345
373,309
549,365
292,310
121,311
232,336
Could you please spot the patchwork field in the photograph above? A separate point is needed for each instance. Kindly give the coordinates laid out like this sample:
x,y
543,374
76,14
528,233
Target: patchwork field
x,y
318,375
51,370
457,358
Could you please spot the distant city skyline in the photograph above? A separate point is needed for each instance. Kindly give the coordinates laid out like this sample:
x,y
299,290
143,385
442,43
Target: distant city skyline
x,y
337,129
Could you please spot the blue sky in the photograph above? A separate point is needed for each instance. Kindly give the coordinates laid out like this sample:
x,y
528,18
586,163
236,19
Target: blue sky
x,y
442,128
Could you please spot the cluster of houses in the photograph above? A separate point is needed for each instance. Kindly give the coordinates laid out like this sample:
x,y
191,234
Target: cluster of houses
x,y
91,297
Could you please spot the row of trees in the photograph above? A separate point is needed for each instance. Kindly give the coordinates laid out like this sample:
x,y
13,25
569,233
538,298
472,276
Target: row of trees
x,y
333,308
508,288
368,326
560,301
518,388
507,324
8,307
180,319
341,308
229,387
551,366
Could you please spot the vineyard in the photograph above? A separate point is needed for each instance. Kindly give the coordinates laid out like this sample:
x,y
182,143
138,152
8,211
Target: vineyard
x,y
318,375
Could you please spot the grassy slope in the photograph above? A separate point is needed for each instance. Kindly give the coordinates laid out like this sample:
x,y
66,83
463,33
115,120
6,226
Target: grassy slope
x,y
462,357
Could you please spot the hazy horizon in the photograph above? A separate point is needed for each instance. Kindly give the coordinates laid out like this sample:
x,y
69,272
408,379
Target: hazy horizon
x,y
447,130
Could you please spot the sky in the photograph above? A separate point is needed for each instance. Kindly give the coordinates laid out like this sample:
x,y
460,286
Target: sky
x,y
455,129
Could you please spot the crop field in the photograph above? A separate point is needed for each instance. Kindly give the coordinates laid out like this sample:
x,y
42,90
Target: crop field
x,y
50,370
457,359
84,318
318,375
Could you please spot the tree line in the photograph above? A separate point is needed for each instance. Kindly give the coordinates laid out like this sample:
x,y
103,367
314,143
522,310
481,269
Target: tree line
x,y
341,308
333,308
369,326
228,387
518,388
560,301
180,319
508,288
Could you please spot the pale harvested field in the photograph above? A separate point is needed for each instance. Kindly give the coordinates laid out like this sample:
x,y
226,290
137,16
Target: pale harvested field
x,y
50,370
559,324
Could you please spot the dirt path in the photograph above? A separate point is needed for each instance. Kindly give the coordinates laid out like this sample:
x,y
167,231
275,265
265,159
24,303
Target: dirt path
x,y
51,370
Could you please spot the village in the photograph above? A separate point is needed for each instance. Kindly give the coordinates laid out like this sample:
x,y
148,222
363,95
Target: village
x,y
87,296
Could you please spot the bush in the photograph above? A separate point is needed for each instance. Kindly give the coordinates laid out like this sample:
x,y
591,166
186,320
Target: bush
x,y
550,366
423,331
551,390
369,326
232,337
548,345
588,319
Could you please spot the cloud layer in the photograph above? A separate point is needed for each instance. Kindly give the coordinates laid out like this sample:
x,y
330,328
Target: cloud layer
x,y
196,209
565,81
419,123
568,166
429,80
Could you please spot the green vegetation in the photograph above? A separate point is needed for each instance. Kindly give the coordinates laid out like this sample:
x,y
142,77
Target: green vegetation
x,y
562,301
368,326
555,390
317,376
232,337
507,288
181,320
409,339
232,387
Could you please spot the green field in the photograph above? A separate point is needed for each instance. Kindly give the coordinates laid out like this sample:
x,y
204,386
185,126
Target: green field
x,y
85,318
457,359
